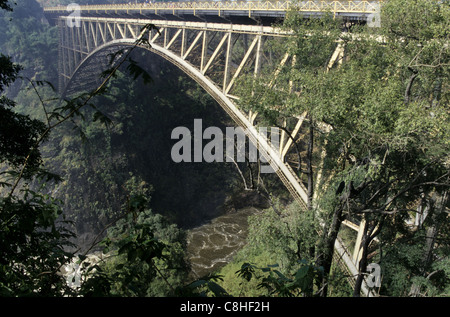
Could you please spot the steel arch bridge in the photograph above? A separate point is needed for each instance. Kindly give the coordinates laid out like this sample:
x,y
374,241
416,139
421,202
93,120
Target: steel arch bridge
x,y
214,43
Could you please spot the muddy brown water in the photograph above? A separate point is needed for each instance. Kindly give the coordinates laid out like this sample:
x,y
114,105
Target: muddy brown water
x,y
213,245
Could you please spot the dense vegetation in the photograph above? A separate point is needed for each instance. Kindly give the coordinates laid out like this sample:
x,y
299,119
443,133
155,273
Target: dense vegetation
x,y
95,174
385,104
105,156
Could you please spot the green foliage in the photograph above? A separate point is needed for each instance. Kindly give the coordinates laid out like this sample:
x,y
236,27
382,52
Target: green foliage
x,y
204,287
275,283
145,258
313,42
386,106
289,237
30,42
34,233
237,286
145,254
9,71
34,243
18,133
403,263
33,246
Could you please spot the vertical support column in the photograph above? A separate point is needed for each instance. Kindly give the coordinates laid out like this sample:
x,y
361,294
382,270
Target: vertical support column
x,y
102,28
174,38
357,250
204,50
258,54
86,36
283,146
226,72
95,34
166,30
67,52
335,9
61,57
80,39
112,31
183,41
282,137
78,44
71,50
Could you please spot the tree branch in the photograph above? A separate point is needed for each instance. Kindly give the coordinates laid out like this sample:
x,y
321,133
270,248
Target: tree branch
x,y
410,83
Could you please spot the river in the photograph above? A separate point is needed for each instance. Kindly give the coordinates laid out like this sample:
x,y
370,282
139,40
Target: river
x,y
213,244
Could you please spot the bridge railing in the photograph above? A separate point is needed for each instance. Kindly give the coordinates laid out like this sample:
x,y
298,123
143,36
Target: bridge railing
x,y
337,6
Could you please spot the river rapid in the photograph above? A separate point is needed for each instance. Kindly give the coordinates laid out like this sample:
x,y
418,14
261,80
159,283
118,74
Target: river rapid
x,y
213,244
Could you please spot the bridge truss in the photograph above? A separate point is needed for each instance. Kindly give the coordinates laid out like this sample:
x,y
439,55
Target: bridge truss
x,y
230,9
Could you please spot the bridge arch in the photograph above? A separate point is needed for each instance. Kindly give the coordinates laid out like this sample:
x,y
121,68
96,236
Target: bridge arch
x,y
271,154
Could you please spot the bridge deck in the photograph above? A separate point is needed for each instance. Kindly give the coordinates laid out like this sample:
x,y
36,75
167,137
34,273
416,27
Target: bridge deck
x,y
243,12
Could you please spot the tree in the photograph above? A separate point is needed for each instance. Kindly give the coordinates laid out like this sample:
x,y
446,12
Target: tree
x,y
387,108
33,243
18,133
35,236
144,255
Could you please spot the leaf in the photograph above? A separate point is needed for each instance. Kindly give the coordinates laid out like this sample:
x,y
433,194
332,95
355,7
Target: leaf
x,y
302,272
197,283
48,176
246,272
135,70
281,276
99,116
217,290
132,255
125,247
4,184
43,83
108,72
149,27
